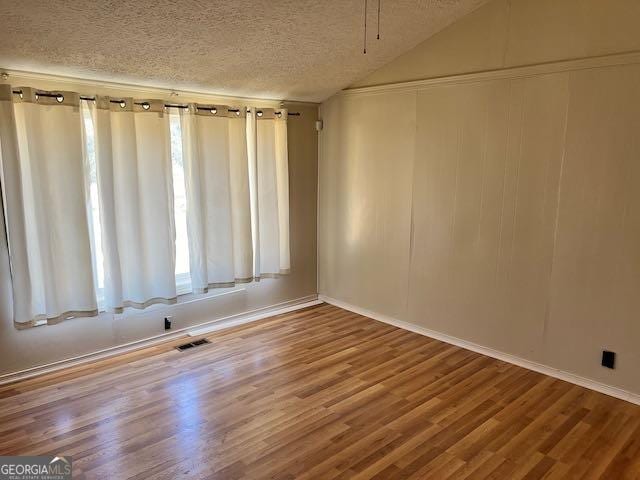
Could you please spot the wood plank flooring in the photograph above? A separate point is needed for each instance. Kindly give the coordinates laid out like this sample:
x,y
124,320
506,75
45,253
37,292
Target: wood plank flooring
x,y
320,393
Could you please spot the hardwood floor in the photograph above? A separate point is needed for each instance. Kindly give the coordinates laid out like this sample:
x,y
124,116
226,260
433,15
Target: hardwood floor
x,y
321,393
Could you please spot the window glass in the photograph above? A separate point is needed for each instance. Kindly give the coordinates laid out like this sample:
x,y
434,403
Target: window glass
x,y
94,205
183,277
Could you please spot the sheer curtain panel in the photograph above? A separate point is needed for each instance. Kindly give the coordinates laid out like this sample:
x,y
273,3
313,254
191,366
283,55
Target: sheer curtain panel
x,y
134,175
46,206
214,150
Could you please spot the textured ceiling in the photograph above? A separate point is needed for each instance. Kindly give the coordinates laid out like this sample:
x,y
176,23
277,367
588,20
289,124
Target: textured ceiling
x,y
281,49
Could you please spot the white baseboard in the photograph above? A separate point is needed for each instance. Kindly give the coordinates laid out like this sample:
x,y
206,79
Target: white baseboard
x,y
311,300
211,326
245,318
490,352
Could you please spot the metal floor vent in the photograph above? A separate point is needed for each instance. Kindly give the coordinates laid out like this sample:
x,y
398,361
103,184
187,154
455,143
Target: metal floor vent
x,y
197,343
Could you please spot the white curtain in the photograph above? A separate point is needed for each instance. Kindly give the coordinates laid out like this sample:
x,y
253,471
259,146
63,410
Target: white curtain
x,y
133,158
272,184
237,183
214,149
83,197
46,206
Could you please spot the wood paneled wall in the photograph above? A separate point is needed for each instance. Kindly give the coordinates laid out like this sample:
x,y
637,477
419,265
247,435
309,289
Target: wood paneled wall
x,y
504,212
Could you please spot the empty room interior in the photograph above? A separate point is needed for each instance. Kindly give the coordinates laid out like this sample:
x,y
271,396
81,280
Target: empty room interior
x,y
349,239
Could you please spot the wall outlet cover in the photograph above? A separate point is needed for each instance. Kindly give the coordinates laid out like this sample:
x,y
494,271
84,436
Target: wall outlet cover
x,y
608,359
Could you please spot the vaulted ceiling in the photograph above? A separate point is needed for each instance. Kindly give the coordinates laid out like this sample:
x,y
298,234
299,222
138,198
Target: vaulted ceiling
x,y
281,49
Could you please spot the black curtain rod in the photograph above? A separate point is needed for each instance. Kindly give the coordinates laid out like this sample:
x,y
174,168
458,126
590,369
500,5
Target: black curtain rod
x,y
168,105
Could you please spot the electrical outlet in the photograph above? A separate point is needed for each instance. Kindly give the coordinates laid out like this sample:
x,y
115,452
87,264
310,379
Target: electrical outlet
x,y
608,359
167,323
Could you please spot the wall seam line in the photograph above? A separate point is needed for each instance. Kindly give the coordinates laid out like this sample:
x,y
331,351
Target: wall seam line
x,y
545,324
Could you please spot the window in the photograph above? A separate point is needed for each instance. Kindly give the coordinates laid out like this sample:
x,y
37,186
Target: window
x,y
183,277
95,230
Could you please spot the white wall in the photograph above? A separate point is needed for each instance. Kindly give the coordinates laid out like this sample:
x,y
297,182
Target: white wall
x,y
502,209
21,349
